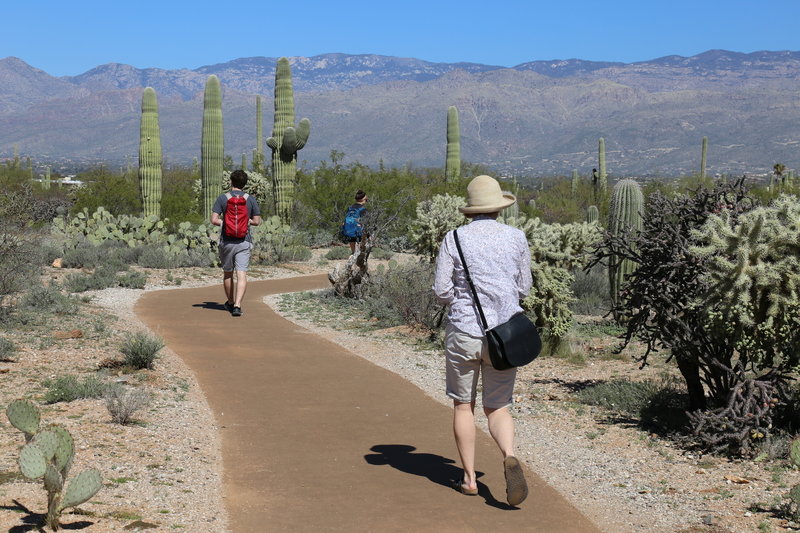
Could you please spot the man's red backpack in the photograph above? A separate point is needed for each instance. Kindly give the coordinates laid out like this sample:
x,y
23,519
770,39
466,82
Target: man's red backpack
x,y
236,217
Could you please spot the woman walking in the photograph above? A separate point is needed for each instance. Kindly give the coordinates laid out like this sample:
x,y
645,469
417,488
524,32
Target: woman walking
x,y
498,259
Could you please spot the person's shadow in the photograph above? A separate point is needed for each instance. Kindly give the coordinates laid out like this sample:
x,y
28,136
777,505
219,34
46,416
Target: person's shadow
x,y
438,469
35,521
215,306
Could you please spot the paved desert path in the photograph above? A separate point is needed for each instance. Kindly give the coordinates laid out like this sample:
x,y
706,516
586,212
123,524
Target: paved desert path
x,y
315,438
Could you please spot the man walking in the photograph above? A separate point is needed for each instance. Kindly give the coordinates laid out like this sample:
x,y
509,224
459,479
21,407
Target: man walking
x,y
235,212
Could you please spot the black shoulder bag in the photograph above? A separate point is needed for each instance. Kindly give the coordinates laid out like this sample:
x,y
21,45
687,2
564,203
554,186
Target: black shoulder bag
x,y
513,343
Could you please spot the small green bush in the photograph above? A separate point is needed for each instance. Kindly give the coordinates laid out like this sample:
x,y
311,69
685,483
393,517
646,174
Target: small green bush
x,y
103,277
381,254
403,294
140,350
591,292
7,350
338,253
123,402
48,299
620,395
132,280
69,388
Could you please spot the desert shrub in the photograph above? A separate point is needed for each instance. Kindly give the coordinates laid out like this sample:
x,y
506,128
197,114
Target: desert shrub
x,y
337,253
404,292
591,291
140,350
108,253
47,299
621,395
7,350
117,193
123,402
103,277
16,265
660,299
132,280
435,217
69,388
382,254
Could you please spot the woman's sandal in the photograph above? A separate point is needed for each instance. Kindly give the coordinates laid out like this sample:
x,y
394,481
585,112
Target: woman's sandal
x,y
460,487
516,487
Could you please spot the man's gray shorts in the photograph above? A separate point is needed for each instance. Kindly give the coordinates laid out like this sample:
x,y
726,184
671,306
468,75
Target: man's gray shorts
x,y
467,359
235,255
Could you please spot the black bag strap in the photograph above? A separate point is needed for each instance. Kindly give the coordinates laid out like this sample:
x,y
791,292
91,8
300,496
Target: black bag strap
x,y
469,280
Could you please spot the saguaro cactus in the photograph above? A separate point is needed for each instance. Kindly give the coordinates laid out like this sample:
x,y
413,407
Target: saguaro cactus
x,y
574,187
47,181
212,147
625,213
703,156
150,156
601,156
592,214
48,455
258,155
285,141
452,164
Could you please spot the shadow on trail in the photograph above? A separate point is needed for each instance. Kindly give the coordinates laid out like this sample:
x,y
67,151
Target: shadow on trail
x,y
438,469
214,306
35,521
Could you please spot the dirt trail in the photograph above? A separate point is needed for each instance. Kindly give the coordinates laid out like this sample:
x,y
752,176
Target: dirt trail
x,y
316,438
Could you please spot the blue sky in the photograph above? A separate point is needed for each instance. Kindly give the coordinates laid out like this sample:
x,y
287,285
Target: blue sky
x,y
69,38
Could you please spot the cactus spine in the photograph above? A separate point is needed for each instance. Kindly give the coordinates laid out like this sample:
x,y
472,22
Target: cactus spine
x,y
625,213
150,157
258,155
601,156
592,214
212,148
48,455
703,156
452,164
285,141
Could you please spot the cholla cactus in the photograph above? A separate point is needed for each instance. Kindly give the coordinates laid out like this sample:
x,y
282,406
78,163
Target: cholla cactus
x,y
754,274
435,217
48,455
257,185
556,251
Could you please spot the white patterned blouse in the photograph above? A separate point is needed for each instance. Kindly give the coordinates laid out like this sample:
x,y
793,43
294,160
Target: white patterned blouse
x,y
499,262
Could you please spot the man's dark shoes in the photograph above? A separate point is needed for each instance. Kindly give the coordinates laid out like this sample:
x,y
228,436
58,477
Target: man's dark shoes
x,y
229,307
237,311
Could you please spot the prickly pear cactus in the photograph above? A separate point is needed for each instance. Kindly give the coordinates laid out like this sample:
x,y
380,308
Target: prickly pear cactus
x,y
24,416
48,456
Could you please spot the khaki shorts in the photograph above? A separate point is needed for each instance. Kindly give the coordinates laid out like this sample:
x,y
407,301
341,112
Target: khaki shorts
x,y
466,359
235,255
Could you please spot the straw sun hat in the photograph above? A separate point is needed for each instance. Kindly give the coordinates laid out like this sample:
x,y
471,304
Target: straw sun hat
x,y
484,196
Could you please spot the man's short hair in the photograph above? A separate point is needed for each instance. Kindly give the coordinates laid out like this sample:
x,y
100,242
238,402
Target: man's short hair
x,y
360,195
239,178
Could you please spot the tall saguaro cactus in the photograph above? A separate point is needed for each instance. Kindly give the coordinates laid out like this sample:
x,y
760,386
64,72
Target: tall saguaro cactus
x,y
212,147
601,156
150,156
703,156
574,185
285,141
258,156
625,214
452,164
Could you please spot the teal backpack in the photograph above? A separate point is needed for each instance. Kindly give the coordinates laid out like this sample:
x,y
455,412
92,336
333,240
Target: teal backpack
x,y
351,228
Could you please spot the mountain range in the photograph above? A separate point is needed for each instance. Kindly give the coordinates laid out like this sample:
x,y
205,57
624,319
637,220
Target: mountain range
x,y
536,118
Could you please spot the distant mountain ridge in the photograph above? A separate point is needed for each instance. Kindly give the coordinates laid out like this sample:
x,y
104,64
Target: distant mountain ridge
x,y
538,117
